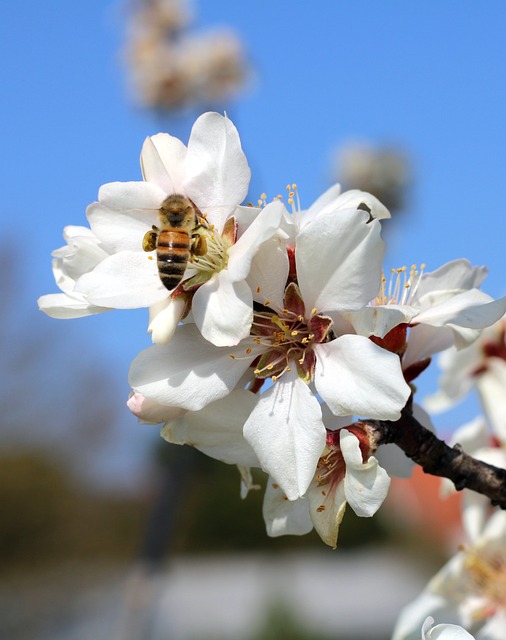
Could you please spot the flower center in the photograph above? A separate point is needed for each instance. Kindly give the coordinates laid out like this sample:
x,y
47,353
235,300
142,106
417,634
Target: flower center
x,y
288,337
488,574
401,287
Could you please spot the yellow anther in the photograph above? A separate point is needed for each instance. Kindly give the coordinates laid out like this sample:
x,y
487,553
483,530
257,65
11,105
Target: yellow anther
x,y
270,367
321,508
294,333
248,350
274,378
263,196
314,311
267,303
232,356
258,289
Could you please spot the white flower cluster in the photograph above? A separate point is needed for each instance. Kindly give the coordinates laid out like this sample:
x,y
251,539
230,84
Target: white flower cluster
x,y
274,327
171,67
471,588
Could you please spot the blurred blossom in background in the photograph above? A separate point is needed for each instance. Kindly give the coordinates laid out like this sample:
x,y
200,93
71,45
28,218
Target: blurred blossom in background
x,y
172,65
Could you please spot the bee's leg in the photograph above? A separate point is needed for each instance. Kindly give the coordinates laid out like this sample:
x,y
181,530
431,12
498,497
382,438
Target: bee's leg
x,y
150,239
199,245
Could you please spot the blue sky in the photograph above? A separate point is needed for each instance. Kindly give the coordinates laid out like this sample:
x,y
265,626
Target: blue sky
x,y
427,76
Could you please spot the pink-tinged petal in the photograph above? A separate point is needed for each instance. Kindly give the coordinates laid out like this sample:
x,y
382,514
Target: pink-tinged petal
x,y
286,431
126,280
366,484
216,430
356,377
327,507
457,275
223,310
121,230
339,258
378,321
162,162
217,174
63,306
282,516
149,411
124,196
164,318
268,273
188,372
261,229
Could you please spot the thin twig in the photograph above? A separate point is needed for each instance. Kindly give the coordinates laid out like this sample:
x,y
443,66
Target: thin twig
x,y
439,459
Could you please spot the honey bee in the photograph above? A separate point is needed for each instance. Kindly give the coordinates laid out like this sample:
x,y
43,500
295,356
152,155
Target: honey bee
x,y
177,240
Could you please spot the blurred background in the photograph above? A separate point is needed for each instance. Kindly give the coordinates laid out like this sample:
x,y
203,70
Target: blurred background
x,y
105,532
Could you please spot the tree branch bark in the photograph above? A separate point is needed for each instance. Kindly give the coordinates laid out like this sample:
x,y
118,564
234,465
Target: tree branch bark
x,y
439,459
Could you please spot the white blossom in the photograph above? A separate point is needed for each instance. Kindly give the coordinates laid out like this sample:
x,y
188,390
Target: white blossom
x,y
470,590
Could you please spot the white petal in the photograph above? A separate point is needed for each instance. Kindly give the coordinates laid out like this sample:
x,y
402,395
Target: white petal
x,y
492,389
120,230
339,260
366,484
162,162
379,320
424,341
356,377
269,273
125,196
443,631
261,229
188,372
223,310
164,318
327,508
471,309
63,306
287,433
452,276
126,280
217,172
324,204
282,516
216,430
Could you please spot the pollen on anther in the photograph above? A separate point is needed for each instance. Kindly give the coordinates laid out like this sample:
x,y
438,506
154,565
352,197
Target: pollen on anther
x,y
274,378
258,289
150,257
248,350
232,356
256,372
314,311
294,333
321,508
267,303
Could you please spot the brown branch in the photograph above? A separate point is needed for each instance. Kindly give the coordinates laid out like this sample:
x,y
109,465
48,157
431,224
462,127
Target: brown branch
x,y
439,459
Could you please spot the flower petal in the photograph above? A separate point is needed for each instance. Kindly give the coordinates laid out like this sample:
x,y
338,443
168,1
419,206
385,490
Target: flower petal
x,y
217,174
125,280
162,162
223,310
366,484
282,516
327,508
356,377
63,306
339,258
120,230
164,318
286,431
261,229
269,273
216,430
188,372
452,276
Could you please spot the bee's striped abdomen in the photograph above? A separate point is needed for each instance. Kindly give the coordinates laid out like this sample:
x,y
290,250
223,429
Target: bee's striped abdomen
x,y
173,253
